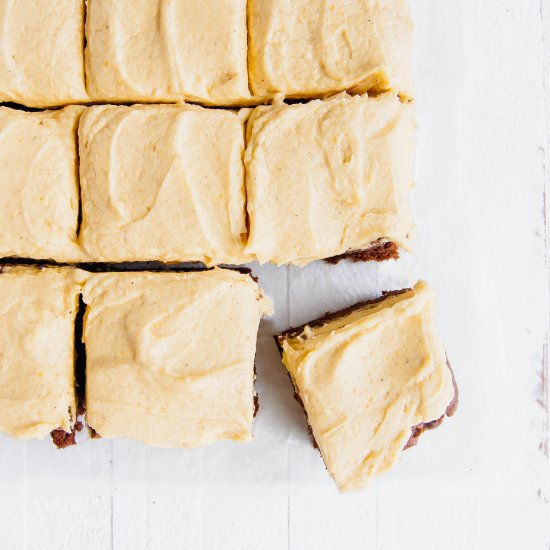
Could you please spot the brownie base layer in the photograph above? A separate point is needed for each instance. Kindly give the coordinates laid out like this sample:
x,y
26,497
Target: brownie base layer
x,y
416,431
93,434
62,439
256,398
378,252
419,429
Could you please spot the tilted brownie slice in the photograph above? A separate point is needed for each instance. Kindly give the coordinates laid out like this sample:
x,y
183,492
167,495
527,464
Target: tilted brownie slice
x,y
170,356
330,179
37,359
371,379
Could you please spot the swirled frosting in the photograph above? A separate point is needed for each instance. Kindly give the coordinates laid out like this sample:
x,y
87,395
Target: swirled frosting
x,y
37,312
161,50
162,183
42,52
171,355
367,378
327,177
39,184
306,48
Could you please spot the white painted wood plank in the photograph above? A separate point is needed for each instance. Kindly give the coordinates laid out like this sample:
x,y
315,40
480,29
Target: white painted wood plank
x,y
501,170
208,522
63,523
244,523
487,519
130,521
325,523
545,375
148,523
544,494
13,521
429,523
175,523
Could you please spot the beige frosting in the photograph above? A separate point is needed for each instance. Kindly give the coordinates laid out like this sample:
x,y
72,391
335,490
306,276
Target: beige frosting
x,y
367,379
326,177
305,48
38,184
170,356
164,50
41,53
162,183
37,312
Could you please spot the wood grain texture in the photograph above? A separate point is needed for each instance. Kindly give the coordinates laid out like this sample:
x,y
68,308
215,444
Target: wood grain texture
x,y
482,480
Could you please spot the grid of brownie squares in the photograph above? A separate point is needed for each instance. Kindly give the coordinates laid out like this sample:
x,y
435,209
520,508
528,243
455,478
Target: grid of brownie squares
x,y
88,184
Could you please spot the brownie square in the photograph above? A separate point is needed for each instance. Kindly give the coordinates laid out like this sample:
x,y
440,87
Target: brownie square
x,y
371,379
37,358
167,51
170,356
330,179
312,48
39,192
42,62
164,183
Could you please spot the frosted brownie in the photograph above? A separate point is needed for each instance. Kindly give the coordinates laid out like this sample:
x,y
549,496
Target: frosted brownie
x,y
327,178
170,356
37,317
162,182
39,191
371,379
314,48
152,50
42,61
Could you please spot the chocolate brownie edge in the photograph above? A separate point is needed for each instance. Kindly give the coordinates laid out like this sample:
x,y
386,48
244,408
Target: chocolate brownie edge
x,y
293,332
62,439
380,251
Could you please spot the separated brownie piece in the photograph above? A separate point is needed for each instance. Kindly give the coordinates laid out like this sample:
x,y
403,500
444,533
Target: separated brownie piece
x,y
162,182
39,195
312,48
153,50
327,178
42,61
170,356
37,314
371,378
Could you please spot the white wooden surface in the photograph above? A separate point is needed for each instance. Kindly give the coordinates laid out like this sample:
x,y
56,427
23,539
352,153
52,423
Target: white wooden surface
x,y
482,480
